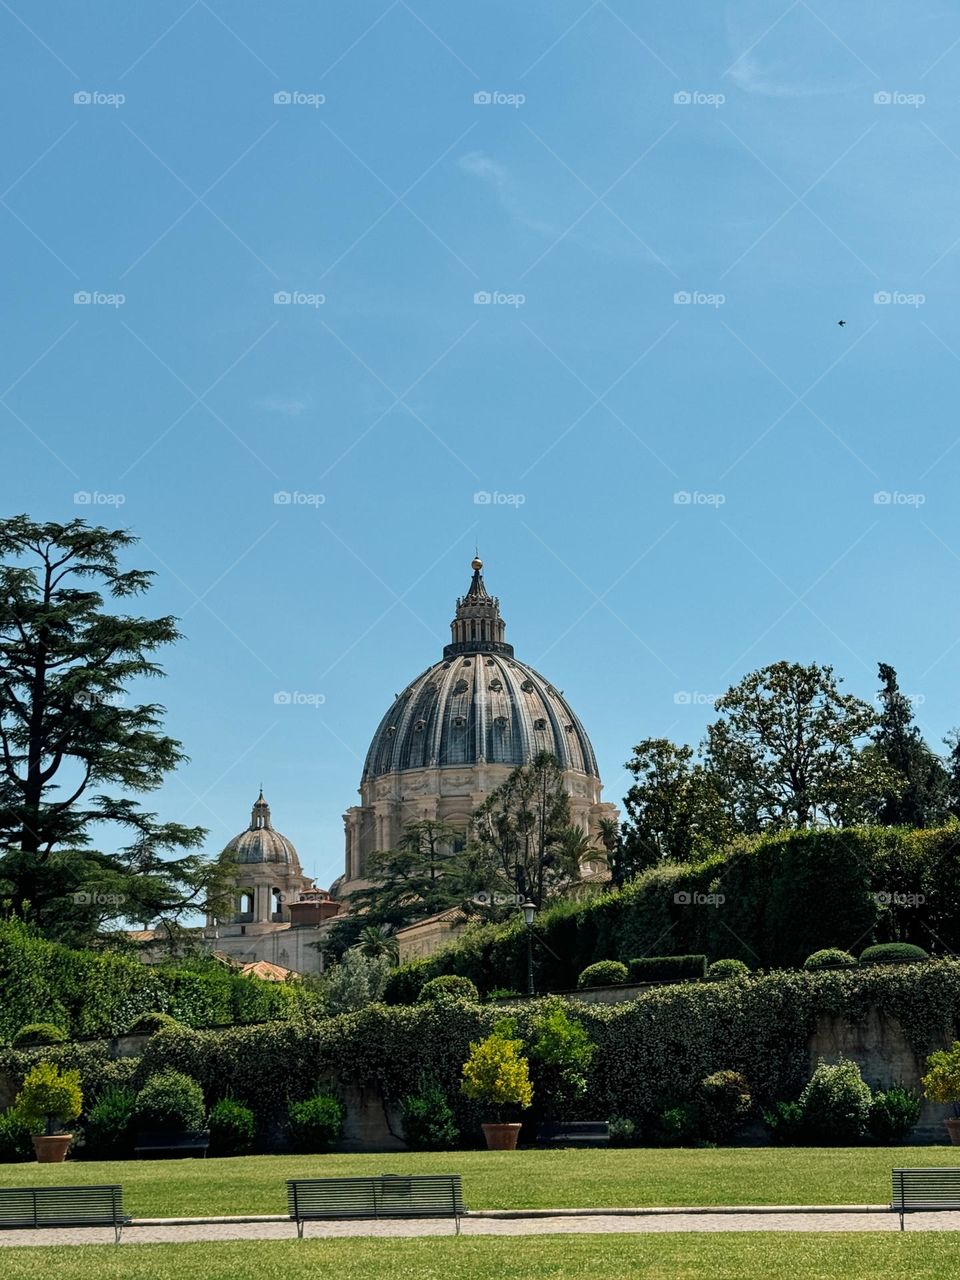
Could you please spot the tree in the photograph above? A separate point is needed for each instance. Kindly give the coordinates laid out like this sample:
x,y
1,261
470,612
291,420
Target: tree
x,y
919,796
675,809
74,753
376,941
358,980
419,878
952,740
787,750
520,833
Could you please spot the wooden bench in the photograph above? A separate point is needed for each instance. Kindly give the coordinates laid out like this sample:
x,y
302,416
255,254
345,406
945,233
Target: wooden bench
x,y
155,1142
575,1133
388,1196
925,1190
63,1207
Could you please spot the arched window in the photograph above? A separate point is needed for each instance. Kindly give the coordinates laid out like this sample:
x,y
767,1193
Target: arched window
x,y
245,903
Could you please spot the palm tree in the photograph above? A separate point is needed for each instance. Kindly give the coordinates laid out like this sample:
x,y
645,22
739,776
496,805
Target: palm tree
x,y
377,940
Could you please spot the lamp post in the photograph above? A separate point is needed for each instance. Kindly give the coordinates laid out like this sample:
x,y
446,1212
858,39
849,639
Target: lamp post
x,y
529,910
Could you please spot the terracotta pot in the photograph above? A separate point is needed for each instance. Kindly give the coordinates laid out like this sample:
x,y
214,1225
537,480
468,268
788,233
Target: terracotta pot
x,y
51,1148
953,1128
501,1137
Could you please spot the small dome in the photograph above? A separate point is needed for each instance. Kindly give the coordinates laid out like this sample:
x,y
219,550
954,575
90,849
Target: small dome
x,y
260,843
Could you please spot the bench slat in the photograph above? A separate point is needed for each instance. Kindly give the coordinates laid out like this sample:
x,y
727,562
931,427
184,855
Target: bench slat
x,y
62,1207
389,1196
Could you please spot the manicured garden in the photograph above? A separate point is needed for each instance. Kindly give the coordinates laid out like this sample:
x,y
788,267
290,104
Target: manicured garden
x,y
525,1179
740,1256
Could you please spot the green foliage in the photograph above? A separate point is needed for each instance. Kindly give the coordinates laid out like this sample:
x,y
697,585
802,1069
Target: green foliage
x,y
358,980
919,794
604,973
830,958
170,1100
675,811
448,987
679,1126
726,1103
149,1023
497,1073
623,1131
893,1113
893,953
835,1105
50,1096
16,1138
785,1122
725,970
35,1033
232,1127
665,968
109,1125
942,1081
315,1123
560,1053
428,1120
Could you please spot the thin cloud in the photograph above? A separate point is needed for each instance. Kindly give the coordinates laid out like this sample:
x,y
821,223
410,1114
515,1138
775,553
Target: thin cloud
x,y
479,165
287,406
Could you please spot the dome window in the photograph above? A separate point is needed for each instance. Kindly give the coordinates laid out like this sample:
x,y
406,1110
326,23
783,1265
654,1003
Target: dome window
x,y
569,728
461,686
459,721
496,686
420,725
501,722
540,724
467,662
391,730
527,686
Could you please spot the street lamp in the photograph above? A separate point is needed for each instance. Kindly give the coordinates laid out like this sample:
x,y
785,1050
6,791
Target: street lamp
x,y
529,910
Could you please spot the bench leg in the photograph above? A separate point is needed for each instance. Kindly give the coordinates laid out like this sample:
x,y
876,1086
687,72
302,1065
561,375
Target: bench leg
x,y
901,1221
457,1221
300,1226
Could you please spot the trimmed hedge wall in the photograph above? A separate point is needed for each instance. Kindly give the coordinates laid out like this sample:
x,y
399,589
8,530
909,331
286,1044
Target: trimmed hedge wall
x,y
667,968
770,901
651,1052
91,994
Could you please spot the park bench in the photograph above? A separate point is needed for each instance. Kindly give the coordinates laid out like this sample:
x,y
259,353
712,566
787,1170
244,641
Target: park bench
x,y
925,1190
38,1207
388,1196
574,1133
156,1142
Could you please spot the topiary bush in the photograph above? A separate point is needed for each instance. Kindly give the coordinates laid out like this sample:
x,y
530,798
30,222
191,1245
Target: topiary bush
x,y
624,1132
109,1125
725,970
829,958
448,987
172,1101
605,973
893,953
726,1103
16,1138
315,1123
428,1120
667,968
232,1127
893,1113
496,1073
37,1033
49,1097
835,1105
149,1023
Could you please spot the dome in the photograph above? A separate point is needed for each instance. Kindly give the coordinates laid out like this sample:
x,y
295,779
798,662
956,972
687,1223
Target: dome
x,y
260,843
478,705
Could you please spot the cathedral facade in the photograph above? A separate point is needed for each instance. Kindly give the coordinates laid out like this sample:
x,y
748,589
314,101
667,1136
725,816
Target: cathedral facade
x,y
457,732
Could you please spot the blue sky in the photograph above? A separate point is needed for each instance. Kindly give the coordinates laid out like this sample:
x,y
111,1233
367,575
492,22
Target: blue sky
x,y
781,166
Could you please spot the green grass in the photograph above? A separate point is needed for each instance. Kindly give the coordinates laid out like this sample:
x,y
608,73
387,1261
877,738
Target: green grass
x,y
512,1179
858,1256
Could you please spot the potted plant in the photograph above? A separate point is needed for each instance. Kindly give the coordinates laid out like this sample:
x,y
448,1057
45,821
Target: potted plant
x,y
50,1097
942,1084
497,1073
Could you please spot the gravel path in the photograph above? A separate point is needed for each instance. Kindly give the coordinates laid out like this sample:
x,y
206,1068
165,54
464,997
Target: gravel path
x,y
608,1223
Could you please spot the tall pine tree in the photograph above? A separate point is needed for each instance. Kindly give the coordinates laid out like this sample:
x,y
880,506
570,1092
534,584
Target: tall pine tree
x,y
921,798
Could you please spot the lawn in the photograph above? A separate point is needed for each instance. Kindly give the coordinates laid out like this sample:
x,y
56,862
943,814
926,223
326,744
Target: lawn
x,y
512,1180
920,1256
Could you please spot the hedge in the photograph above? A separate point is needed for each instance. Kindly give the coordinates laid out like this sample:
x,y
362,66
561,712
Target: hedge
x,y
667,968
770,901
651,1053
92,993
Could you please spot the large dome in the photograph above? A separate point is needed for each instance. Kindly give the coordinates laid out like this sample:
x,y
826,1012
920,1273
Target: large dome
x,y
478,708
260,843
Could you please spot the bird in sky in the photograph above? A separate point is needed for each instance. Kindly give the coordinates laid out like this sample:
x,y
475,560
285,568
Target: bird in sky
x,y
841,323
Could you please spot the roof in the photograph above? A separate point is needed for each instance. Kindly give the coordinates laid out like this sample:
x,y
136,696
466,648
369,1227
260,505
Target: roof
x,y
260,843
453,915
267,971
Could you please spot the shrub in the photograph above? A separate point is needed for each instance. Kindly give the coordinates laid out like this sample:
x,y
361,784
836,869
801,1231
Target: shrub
x,y
724,970
428,1121
448,987
496,1071
942,1081
149,1023
726,1103
605,973
503,993
232,1127
667,968
109,1122
315,1123
680,1126
893,953
49,1096
16,1138
36,1033
358,980
170,1100
561,1052
830,958
785,1122
893,1113
835,1104
623,1132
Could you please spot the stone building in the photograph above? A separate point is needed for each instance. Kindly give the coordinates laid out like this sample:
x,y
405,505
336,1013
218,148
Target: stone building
x,y
458,731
